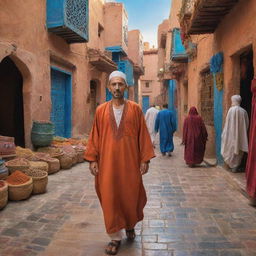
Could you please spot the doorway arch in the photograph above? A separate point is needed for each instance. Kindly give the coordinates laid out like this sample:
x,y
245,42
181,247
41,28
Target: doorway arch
x,y
11,101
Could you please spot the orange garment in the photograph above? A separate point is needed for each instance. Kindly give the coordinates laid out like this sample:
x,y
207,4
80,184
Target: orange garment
x,y
119,152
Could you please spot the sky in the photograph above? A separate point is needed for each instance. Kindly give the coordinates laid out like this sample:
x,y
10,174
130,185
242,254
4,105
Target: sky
x,y
146,15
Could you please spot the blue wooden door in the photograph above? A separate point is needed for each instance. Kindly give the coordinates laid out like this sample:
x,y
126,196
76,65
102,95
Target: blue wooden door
x,y
145,103
61,103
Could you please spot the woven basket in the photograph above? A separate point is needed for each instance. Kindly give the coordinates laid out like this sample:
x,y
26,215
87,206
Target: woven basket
x,y
3,194
20,192
43,166
54,165
54,152
24,152
40,180
75,159
80,156
3,173
20,164
66,161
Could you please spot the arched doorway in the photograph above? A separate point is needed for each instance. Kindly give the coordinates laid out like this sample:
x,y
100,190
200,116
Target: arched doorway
x,y
11,101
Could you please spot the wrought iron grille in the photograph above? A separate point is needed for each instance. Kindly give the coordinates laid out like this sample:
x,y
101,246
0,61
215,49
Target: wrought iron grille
x,y
76,15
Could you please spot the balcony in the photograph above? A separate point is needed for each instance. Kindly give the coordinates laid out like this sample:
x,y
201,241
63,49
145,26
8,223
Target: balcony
x,y
207,14
68,19
178,51
101,60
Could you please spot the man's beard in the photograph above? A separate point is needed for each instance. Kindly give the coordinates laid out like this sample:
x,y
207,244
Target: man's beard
x,y
118,96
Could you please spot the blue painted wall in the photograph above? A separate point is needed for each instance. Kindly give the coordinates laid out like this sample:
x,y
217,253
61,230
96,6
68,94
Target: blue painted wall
x,y
61,97
172,87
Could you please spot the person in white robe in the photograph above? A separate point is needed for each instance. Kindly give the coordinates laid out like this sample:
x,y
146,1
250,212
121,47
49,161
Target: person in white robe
x,y
234,138
150,121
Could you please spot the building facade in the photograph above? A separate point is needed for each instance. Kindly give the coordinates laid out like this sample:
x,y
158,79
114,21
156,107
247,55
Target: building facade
x,y
149,84
220,50
54,64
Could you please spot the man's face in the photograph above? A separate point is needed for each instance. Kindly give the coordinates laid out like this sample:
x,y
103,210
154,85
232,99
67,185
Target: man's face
x,y
117,86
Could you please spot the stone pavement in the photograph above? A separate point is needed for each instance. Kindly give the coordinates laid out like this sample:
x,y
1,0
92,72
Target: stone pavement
x,y
193,212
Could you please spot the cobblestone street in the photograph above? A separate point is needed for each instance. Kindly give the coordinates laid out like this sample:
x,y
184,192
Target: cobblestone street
x,y
191,212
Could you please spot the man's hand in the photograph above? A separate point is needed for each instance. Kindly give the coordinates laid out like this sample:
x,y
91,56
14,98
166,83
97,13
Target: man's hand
x,y
94,168
144,168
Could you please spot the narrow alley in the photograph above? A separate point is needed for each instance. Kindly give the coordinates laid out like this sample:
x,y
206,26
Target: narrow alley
x,y
190,211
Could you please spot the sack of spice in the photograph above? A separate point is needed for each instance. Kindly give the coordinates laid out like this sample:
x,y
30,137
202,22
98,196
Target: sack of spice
x,y
17,178
19,163
55,152
3,194
24,152
40,180
20,186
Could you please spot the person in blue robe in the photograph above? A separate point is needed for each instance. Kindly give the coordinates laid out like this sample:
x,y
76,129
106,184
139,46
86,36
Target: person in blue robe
x,y
166,125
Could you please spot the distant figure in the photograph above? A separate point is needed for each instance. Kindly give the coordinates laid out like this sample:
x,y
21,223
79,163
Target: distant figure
x,y
194,138
166,124
251,160
150,121
158,108
234,140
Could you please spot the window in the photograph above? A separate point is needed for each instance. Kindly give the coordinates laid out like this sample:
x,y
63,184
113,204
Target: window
x,y
147,84
100,29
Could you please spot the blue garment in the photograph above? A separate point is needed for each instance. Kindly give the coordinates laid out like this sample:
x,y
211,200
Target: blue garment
x,y
166,125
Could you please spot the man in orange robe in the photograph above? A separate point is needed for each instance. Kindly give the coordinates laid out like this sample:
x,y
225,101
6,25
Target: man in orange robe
x,y
119,150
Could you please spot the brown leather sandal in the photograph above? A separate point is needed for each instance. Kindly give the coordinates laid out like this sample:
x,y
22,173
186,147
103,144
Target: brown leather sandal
x,y
113,247
130,234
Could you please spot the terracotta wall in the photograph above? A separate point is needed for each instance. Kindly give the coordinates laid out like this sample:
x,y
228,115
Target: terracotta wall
x,y
115,17
135,47
150,60
33,49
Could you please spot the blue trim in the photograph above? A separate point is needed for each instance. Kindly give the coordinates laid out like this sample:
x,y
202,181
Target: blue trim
x,y
61,70
218,119
117,48
215,67
178,51
172,87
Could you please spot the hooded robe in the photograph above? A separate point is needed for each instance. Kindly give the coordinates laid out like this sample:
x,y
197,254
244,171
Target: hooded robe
x,y
234,140
194,138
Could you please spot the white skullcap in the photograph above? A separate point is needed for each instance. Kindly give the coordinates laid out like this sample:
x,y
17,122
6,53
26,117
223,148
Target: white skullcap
x,y
117,74
236,100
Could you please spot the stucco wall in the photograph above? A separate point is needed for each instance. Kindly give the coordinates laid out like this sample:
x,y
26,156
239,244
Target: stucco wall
x,y
34,50
114,14
150,60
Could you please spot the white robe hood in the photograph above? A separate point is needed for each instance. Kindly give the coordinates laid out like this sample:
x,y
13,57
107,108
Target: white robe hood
x,y
234,136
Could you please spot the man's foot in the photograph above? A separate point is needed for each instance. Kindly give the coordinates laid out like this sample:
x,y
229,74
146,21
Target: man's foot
x,y
169,153
113,247
130,234
191,165
163,153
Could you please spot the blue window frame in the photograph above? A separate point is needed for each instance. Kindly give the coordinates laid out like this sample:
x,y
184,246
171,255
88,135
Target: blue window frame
x,y
69,19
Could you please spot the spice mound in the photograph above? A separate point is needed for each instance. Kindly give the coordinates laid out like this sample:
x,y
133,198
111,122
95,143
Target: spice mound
x,y
17,178
2,184
36,173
